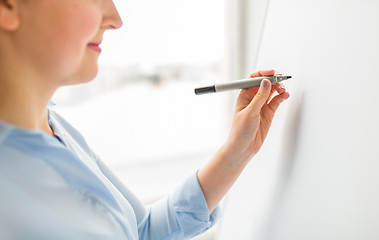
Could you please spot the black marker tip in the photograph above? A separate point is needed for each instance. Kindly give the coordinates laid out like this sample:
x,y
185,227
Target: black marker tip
x,y
204,90
288,77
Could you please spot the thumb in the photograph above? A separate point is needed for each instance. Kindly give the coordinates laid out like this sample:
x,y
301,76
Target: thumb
x,y
261,97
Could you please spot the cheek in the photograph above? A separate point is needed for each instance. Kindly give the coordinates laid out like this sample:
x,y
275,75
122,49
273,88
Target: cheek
x,y
74,29
78,29
54,41
84,24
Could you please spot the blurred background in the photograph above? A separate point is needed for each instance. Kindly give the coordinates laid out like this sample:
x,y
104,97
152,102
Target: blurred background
x,y
316,177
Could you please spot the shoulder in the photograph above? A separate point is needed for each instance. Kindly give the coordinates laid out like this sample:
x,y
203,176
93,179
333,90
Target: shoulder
x,y
65,130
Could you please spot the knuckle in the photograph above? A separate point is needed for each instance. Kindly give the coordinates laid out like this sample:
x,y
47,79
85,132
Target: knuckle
x,y
260,96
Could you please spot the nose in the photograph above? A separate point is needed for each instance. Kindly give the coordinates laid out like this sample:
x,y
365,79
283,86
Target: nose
x,y
111,18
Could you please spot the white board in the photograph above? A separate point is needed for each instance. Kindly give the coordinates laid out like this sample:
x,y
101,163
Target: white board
x,y
329,151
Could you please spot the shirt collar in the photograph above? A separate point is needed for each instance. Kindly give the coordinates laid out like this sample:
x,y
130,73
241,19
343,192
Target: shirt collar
x,y
58,130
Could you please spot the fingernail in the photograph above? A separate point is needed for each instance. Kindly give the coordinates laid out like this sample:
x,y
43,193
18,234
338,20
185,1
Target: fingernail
x,y
265,83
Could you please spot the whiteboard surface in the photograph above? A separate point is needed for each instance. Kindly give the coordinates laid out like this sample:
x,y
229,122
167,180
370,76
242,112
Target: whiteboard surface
x,y
326,165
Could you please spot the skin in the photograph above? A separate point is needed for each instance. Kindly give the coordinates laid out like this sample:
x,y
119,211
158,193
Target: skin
x,y
44,45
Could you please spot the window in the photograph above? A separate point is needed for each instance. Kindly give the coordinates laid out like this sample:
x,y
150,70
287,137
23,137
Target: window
x,y
140,114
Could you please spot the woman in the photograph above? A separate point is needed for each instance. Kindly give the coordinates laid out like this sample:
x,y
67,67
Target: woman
x,y
52,186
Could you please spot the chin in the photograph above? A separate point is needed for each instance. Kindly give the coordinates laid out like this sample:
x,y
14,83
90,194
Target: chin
x,y
83,77
88,78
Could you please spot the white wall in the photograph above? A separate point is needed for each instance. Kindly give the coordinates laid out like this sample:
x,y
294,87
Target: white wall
x,y
317,176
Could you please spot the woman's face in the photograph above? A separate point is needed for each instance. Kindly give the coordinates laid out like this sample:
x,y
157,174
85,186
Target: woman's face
x,y
60,37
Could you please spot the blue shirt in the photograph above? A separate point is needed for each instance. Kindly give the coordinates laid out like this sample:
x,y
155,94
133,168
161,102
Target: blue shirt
x,y
57,188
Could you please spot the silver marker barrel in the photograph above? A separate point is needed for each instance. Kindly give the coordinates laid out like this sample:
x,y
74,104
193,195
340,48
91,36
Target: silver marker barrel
x,y
240,84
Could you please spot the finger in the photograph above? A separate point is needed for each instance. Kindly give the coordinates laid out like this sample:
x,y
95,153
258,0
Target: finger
x,y
261,73
279,87
249,93
244,98
261,97
277,100
276,88
246,95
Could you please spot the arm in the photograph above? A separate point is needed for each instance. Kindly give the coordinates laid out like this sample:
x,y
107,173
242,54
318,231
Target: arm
x,y
252,120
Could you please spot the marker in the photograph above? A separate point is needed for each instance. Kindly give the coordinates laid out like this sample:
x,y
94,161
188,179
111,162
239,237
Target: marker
x,y
240,84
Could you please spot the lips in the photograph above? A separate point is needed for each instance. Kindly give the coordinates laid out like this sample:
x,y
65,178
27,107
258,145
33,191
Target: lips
x,y
95,46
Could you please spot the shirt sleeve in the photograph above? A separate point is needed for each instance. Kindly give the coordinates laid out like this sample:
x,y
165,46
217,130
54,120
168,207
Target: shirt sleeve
x,y
184,214
191,208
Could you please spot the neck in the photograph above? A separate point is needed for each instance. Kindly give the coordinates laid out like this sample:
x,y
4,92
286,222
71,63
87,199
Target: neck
x,y
25,90
23,103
